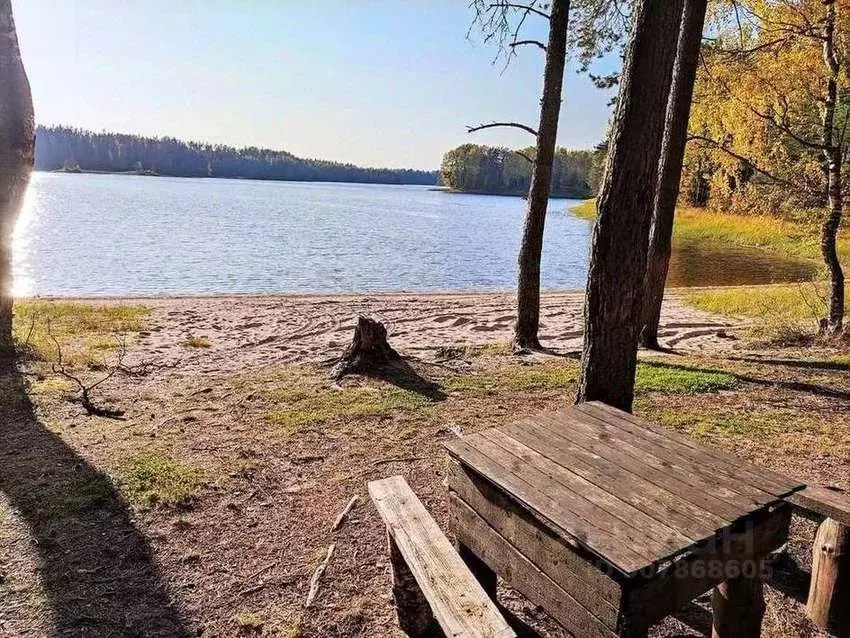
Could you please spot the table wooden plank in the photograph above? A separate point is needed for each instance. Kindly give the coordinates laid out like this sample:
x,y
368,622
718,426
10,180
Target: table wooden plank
x,y
721,502
711,475
654,500
556,513
572,568
656,536
524,576
710,471
735,467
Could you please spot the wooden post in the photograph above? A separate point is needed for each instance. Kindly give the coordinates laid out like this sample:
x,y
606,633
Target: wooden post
x,y
738,607
414,613
829,594
483,574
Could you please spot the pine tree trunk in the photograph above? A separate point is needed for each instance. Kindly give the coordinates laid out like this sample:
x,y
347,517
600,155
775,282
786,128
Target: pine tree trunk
x,y
614,295
528,285
832,161
17,149
670,170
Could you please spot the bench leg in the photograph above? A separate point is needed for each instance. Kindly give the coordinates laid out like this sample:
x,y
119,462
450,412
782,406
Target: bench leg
x,y
738,608
829,594
415,617
483,574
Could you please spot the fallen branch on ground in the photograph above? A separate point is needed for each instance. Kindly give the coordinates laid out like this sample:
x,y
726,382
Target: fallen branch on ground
x,y
344,513
84,392
315,581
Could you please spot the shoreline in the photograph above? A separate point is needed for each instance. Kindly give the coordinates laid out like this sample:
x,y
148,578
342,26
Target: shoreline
x,y
675,291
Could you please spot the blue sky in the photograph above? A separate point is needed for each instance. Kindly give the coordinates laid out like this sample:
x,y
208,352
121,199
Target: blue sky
x,y
373,82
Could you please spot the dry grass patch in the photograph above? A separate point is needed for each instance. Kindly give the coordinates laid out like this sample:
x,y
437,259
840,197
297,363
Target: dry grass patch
x,y
85,332
197,342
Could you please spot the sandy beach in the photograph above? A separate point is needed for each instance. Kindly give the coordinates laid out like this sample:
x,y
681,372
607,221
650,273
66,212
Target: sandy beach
x,y
258,331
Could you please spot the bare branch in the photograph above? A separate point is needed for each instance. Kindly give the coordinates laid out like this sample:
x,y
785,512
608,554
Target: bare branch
x,y
536,43
84,391
528,158
524,7
481,127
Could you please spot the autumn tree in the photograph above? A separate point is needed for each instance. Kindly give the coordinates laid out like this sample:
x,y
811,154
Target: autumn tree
x,y
613,300
16,159
670,168
772,107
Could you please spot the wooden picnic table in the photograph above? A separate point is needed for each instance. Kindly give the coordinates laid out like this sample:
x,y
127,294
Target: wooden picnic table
x,y
611,523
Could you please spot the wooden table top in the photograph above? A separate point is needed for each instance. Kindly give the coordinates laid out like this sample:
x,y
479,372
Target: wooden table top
x,y
630,492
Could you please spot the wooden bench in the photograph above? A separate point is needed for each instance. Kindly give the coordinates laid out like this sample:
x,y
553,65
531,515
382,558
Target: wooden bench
x,y
829,594
431,583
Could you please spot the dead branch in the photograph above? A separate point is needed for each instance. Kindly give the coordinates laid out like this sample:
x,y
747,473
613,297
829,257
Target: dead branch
x,y
339,519
481,127
315,581
84,390
398,459
520,43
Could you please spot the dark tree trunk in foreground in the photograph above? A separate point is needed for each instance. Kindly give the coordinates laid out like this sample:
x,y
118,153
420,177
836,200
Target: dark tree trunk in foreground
x,y
613,300
528,285
17,148
832,161
670,169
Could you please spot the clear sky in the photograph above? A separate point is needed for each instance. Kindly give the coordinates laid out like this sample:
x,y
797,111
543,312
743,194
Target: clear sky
x,y
373,82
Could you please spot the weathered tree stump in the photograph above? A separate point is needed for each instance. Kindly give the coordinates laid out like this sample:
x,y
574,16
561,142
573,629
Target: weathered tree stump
x,y
829,595
738,608
368,349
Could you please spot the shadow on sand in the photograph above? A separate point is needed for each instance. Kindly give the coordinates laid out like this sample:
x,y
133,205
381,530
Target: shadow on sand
x,y
95,566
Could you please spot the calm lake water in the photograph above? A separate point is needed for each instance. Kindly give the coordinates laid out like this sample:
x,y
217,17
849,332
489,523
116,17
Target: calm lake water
x,y
129,235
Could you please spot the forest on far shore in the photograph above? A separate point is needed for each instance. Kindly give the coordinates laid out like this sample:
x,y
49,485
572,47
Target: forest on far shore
x,y
62,148
475,168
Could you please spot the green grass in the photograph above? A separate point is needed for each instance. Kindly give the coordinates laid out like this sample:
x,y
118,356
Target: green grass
x,y
675,379
151,478
563,376
759,231
515,378
197,342
296,407
85,332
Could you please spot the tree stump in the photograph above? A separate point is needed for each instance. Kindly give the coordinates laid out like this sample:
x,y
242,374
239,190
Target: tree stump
x,y
738,608
368,349
829,594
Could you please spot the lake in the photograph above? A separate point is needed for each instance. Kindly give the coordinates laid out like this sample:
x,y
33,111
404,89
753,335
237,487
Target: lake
x,y
86,235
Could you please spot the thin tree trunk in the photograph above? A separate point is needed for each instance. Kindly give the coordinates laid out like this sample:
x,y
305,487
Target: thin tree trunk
x,y
528,285
613,300
832,161
670,170
17,148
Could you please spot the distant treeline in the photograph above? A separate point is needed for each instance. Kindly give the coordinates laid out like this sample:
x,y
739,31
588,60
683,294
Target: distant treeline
x,y
71,149
474,168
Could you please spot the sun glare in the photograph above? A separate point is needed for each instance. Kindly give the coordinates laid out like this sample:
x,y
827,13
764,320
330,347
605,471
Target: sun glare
x,y
21,239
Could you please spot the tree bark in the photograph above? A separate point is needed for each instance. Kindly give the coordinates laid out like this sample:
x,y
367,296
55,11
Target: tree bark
x,y
17,151
670,170
528,284
613,299
832,162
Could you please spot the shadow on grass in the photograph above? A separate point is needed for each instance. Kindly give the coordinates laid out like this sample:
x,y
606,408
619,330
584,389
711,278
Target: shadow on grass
x,y
95,566
402,375
837,366
796,386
